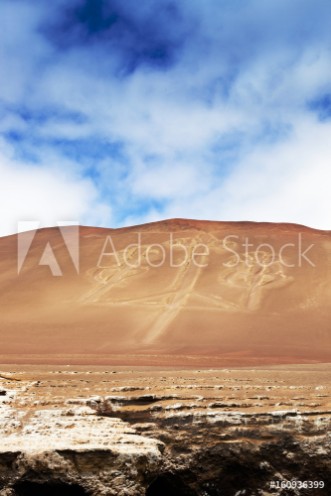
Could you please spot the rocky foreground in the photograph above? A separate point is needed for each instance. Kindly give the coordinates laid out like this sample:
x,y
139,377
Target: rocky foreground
x,y
115,431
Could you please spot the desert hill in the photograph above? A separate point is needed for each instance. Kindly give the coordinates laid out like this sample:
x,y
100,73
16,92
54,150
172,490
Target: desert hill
x,y
239,291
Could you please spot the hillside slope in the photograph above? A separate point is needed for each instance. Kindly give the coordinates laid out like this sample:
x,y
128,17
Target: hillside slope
x,y
247,292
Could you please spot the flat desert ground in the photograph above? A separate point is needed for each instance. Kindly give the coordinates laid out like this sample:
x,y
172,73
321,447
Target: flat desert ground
x,y
270,389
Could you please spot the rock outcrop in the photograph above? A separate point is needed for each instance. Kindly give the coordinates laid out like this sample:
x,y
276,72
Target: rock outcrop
x,y
155,433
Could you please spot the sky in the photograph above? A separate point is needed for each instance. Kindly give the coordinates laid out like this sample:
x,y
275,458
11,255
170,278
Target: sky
x,y
115,112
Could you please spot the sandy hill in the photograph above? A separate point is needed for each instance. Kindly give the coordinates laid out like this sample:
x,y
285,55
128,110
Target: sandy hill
x,y
245,292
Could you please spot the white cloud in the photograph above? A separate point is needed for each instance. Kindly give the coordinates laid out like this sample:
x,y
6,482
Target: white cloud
x,y
45,193
284,182
23,51
224,133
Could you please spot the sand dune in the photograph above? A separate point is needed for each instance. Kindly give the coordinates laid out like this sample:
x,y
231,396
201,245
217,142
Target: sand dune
x,y
244,292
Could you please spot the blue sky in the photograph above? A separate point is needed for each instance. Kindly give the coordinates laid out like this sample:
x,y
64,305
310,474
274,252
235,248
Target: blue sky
x,y
120,112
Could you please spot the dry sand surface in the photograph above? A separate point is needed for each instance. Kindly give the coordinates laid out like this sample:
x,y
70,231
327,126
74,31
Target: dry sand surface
x,y
244,307
300,388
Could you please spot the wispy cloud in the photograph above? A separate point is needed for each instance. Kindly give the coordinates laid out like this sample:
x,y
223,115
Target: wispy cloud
x,y
129,111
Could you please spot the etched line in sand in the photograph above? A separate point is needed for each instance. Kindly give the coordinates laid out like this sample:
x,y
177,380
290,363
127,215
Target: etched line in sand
x,y
105,279
186,280
253,280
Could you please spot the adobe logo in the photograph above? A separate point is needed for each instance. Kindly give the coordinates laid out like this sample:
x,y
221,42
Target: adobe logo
x,y
27,231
